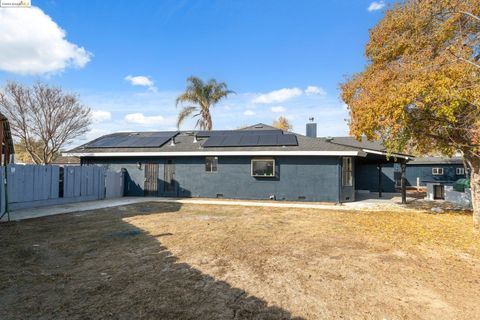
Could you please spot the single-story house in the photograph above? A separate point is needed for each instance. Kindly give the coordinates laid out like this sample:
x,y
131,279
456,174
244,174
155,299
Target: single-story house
x,y
423,170
257,162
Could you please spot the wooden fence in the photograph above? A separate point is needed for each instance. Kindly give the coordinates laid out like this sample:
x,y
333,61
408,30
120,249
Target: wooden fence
x,y
30,186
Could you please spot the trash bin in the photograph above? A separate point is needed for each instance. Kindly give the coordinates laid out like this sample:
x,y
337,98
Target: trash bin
x,y
461,184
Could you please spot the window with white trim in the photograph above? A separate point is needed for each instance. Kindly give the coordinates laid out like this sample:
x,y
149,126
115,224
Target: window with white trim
x,y
211,164
263,167
347,172
437,171
460,171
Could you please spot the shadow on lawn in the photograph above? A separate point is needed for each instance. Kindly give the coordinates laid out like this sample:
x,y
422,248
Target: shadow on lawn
x,y
98,266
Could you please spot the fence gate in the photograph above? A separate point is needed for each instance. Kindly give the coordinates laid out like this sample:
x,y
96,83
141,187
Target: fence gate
x,y
151,179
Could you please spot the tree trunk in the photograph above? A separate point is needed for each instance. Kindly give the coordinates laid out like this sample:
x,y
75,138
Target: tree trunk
x,y
475,184
474,166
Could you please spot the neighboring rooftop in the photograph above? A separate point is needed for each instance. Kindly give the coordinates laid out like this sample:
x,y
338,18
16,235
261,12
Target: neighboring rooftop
x,y
61,160
437,160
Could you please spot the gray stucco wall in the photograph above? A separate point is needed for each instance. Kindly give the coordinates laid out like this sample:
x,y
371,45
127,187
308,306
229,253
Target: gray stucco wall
x,y
297,178
424,172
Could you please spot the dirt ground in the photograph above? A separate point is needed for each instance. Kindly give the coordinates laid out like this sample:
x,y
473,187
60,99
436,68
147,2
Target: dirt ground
x,y
173,261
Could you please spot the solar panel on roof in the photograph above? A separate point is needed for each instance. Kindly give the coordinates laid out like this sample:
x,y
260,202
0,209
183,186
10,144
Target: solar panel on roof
x,y
132,140
287,140
262,132
236,132
231,141
143,142
267,140
215,141
251,140
106,141
248,140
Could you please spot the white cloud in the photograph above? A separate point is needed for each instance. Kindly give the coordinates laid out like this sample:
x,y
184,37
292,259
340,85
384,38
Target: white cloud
x,y
249,113
143,81
278,109
32,43
278,96
311,90
374,6
100,115
141,119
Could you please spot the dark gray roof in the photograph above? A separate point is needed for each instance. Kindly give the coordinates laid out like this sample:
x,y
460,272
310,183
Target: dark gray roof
x,y
184,142
363,143
436,160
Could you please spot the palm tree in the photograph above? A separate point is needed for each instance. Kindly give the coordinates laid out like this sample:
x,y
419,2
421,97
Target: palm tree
x,y
204,96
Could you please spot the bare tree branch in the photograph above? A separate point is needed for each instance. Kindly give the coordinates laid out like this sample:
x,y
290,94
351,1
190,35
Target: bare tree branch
x,y
470,15
43,118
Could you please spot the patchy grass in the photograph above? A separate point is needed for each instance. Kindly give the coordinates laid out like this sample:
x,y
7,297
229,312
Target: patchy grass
x,y
173,261
450,231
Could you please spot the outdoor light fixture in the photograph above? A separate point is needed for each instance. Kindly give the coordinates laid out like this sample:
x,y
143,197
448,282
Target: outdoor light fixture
x,y
139,165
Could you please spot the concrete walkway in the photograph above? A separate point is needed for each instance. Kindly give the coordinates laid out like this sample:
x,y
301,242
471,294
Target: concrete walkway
x,y
373,204
31,213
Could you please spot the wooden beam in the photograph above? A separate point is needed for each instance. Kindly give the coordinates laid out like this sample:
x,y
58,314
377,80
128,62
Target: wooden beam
x,y
379,166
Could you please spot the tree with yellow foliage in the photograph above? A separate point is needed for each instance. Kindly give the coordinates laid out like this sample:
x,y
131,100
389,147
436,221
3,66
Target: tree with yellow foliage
x,y
421,87
282,123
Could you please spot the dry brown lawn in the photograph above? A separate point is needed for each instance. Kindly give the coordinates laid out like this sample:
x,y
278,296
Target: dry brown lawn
x,y
173,261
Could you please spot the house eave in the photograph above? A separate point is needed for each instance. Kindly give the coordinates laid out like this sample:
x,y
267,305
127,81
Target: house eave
x,y
394,155
213,153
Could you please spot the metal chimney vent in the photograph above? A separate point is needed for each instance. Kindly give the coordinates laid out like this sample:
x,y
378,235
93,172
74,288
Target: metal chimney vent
x,y
311,129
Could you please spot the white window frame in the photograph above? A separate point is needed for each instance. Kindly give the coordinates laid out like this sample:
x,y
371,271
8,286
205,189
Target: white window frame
x,y
347,172
460,171
437,171
216,165
262,159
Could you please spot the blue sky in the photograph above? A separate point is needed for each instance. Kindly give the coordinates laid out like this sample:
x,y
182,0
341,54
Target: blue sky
x,y
129,60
